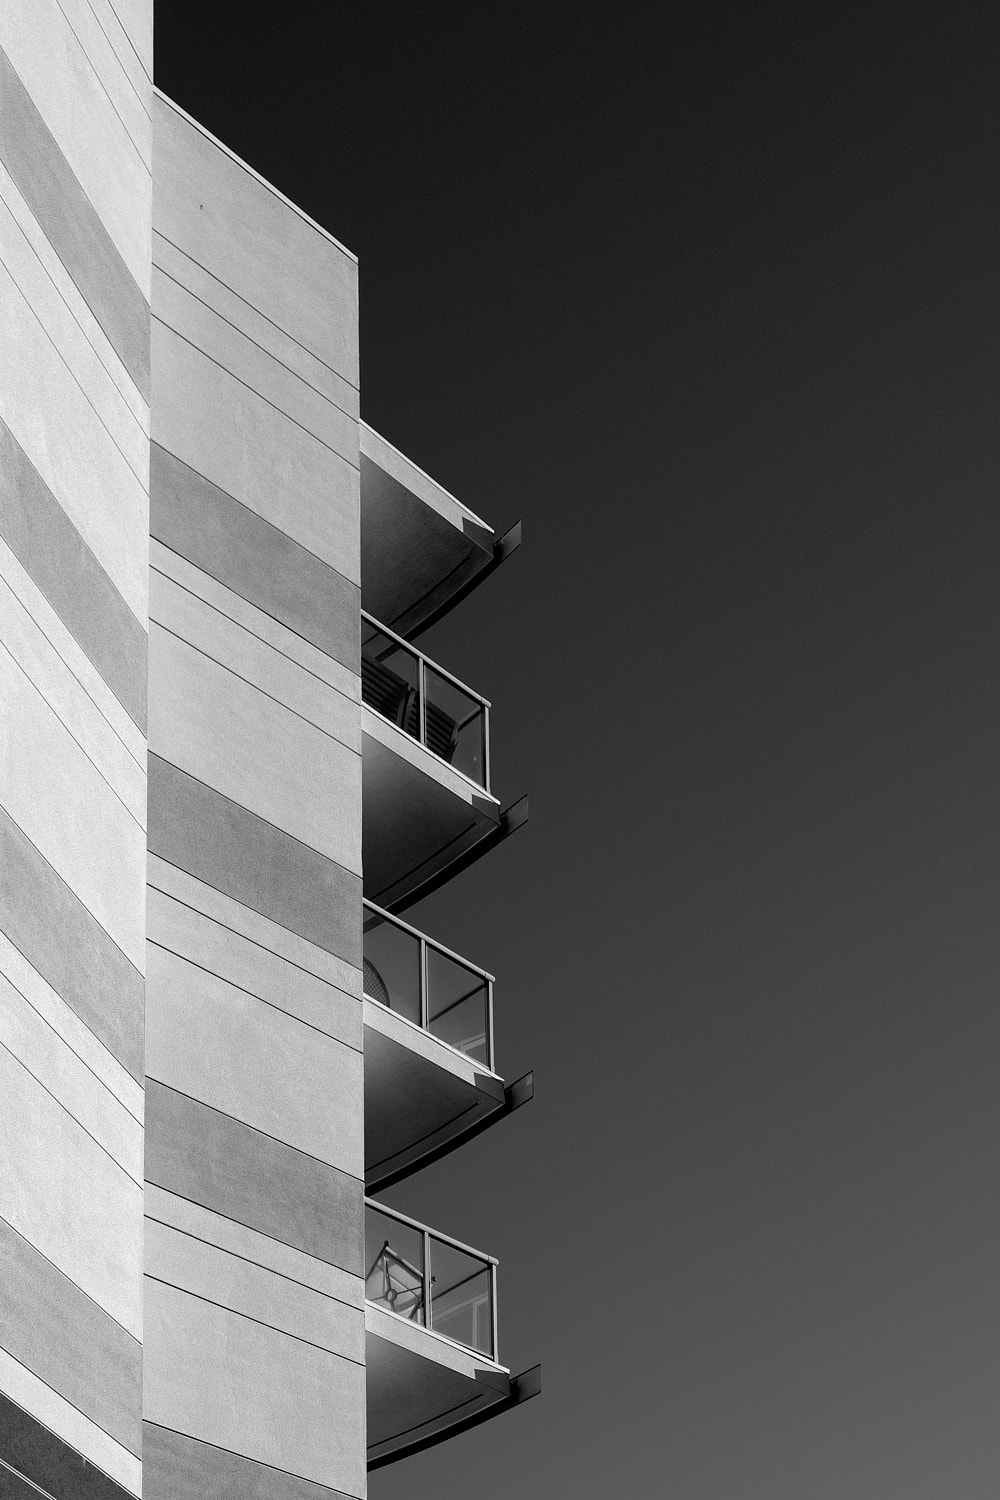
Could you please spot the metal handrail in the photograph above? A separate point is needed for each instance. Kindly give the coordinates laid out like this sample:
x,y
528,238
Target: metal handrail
x,y
435,1234
431,942
414,651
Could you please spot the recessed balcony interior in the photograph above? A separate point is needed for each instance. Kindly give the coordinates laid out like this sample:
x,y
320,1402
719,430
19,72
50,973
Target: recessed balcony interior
x,y
419,545
429,1074
425,766
431,1334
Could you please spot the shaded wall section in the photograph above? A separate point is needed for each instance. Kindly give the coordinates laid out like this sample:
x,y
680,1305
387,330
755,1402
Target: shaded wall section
x,y
75,248
254,1371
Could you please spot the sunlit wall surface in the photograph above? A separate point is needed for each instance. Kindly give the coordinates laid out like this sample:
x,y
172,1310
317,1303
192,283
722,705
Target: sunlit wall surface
x,y
254,1164
75,206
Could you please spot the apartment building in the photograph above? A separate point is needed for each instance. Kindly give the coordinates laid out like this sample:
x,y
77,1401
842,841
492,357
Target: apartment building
x,y
227,771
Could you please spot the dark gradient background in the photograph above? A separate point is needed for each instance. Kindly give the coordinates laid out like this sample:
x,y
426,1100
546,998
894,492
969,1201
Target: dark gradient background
x,y
709,298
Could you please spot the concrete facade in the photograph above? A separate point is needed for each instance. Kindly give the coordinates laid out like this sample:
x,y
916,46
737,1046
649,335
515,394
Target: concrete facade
x,y
254,1306
182,734
75,268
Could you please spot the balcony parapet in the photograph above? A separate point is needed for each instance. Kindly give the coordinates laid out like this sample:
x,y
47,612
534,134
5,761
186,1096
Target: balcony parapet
x,y
428,985
430,1079
430,1338
431,1280
427,703
425,768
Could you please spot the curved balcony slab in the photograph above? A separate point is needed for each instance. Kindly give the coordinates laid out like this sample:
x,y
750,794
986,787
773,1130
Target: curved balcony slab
x,y
420,1384
420,814
419,1093
419,545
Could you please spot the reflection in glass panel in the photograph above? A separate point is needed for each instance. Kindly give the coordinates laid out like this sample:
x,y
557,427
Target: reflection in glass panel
x,y
457,1005
391,965
390,678
394,1258
455,725
460,1297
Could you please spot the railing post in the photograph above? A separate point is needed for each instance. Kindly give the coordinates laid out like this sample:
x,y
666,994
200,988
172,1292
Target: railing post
x,y
428,1315
424,1007
493,1313
422,694
486,746
489,1021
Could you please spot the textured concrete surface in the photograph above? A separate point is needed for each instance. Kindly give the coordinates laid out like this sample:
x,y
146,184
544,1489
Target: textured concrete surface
x,y
216,1043
254,1390
75,270
257,561
199,1153
71,1200
244,856
186,1469
108,160
221,729
98,1368
47,1462
225,217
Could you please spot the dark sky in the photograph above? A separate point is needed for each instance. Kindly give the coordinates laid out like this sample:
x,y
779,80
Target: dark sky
x,y
708,297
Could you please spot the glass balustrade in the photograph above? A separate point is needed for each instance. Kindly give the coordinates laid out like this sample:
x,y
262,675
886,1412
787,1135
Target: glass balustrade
x,y
436,990
431,1280
424,701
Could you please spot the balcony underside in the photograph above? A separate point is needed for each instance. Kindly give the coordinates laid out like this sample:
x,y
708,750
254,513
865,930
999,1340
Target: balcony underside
x,y
419,545
419,813
419,1093
419,1384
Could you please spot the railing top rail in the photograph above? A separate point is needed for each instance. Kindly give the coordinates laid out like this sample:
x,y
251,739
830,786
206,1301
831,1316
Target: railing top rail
x,y
435,1234
431,942
414,651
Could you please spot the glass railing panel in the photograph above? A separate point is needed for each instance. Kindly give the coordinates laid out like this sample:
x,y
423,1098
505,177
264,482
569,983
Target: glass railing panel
x,y
395,1273
424,702
429,1280
391,965
461,1297
456,725
458,1005
390,678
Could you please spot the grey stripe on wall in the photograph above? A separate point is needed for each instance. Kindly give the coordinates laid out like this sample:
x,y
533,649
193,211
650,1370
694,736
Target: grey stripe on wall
x,y
186,1469
72,225
206,1156
67,945
194,518
49,1463
213,838
64,1338
14,1487
51,550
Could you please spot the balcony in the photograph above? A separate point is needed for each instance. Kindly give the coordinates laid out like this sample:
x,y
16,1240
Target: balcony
x,y
425,766
429,1061
427,703
430,1280
421,549
430,1334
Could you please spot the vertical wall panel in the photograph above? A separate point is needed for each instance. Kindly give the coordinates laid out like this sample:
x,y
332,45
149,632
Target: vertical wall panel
x,y
254,1124
75,258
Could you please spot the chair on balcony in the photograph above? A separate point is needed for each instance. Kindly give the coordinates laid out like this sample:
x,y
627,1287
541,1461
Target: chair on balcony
x,y
442,731
397,1285
399,702
374,985
385,691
